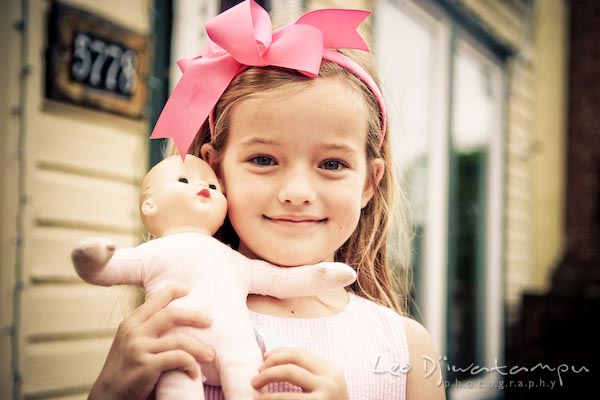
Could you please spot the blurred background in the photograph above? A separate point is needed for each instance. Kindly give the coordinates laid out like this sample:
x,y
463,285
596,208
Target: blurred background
x,y
494,108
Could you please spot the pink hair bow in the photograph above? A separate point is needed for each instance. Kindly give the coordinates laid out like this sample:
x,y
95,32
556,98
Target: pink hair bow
x,y
242,37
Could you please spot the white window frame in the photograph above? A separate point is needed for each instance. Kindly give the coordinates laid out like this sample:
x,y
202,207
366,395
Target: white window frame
x,y
188,33
432,304
484,386
432,288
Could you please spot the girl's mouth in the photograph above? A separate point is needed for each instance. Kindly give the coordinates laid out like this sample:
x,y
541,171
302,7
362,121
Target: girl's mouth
x,y
297,221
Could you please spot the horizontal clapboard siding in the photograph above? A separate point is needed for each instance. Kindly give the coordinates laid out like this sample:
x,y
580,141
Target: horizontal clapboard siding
x,y
60,310
49,260
60,199
72,147
83,172
56,367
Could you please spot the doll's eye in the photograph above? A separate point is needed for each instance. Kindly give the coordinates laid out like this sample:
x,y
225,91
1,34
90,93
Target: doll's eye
x,y
182,180
212,186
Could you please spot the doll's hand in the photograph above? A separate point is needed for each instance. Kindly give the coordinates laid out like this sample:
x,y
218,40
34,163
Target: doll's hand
x,y
318,378
91,255
139,354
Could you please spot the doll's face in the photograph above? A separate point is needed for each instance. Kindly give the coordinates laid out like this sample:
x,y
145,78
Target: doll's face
x,y
182,196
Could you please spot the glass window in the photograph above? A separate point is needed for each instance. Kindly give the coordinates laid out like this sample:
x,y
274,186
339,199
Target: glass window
x,y
412,83
410,86
445,92
475,102
411,47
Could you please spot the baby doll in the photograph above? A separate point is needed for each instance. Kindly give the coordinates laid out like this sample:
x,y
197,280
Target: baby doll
x,y
181,204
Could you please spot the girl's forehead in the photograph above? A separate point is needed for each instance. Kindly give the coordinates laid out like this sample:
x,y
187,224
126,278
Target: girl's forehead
x,y
327,106
280,90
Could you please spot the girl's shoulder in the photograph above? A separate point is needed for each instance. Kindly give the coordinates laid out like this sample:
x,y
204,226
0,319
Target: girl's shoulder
x,y
418,347
415,332
425,379
374,314
376,310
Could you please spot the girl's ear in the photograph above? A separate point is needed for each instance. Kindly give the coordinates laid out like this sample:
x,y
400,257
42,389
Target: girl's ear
x,y
148,208
375,175
208,154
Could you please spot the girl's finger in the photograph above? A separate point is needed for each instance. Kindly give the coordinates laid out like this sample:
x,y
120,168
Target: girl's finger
x,y
291,373
305,359
283,396
157,302
202,352
176,359
170,317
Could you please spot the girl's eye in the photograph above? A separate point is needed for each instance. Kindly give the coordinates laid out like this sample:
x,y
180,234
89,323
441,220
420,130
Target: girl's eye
x,y
263,161
212,186
182,180
332,165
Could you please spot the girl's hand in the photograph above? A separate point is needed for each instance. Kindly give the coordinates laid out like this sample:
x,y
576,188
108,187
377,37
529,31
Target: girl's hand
x,y
318,378
139,354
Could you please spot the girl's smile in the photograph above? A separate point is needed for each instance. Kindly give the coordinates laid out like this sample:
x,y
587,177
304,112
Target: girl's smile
x,y
296,220
295,223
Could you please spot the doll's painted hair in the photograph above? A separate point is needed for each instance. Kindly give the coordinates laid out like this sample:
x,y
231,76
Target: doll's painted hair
x,y
368,249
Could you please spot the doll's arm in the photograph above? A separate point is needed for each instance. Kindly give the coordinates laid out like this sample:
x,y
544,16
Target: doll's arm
x,y
307,280
97,262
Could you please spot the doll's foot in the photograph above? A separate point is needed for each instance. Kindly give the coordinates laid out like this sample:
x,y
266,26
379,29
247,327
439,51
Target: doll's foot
x,y
336,274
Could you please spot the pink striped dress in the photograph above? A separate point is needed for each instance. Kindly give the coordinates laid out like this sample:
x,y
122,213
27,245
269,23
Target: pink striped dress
x,y
366,340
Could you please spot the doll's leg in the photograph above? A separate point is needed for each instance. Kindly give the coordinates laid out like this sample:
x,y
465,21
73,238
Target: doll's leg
x,y
238,367
175,385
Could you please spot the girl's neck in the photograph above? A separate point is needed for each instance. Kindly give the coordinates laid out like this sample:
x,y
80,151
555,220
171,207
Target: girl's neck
x,y
324,305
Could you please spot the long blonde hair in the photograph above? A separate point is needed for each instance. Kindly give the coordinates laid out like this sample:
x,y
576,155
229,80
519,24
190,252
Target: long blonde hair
x,y
367,248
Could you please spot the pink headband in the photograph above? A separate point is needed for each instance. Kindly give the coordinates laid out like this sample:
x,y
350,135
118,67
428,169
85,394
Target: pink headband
x,y
241,37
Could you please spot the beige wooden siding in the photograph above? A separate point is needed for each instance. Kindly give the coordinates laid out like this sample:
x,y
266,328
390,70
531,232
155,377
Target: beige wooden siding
x,y
549,150
534,138
519,198
82,173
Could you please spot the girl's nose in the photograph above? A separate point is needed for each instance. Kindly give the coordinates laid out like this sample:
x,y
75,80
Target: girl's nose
x,y
297,189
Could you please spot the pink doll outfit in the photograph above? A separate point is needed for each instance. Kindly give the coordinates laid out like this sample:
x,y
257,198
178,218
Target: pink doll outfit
x,y
220,280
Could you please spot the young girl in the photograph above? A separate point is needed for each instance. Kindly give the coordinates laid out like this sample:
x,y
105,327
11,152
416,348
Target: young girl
x,y
305,165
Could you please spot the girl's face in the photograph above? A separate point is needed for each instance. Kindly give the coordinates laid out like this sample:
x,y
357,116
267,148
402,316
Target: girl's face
x,y
295,172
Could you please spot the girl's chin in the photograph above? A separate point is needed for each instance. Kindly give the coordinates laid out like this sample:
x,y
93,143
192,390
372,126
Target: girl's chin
x,y
290,261
285,260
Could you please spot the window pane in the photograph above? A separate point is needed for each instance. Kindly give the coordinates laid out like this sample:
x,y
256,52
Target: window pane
x,y
405,52
474,108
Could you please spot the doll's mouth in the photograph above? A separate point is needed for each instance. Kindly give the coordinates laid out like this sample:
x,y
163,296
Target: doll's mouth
x,y
204,193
